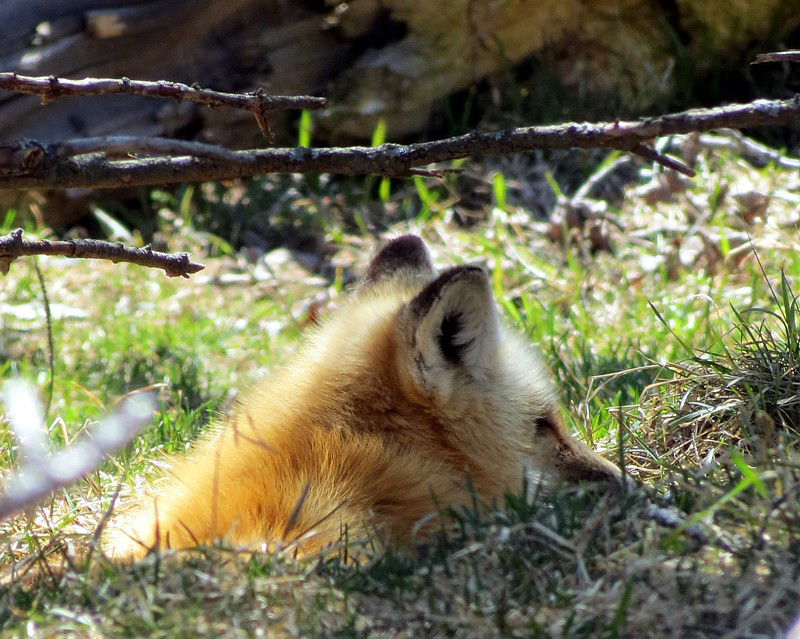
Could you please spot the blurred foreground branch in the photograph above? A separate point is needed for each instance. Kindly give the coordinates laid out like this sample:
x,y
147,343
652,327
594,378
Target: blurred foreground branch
x,y
41,473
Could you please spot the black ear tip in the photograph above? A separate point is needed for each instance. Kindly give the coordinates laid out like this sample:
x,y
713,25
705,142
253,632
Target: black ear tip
x,y
407,248
406,242
407,252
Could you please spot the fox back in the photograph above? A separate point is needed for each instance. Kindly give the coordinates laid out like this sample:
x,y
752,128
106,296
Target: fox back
x,y
411,396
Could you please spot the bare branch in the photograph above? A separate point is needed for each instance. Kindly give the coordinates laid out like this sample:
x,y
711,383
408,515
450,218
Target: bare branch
x,y
42,473
13,246
733,140
51,88
438,173
777,56
28,164
649,153
130,145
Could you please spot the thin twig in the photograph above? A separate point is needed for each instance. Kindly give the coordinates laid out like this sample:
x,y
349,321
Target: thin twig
x,y
778,56
437,173
98,531
51,88
13,246
50,347
753,152
29,164
670,518
294,516
649,153
131,145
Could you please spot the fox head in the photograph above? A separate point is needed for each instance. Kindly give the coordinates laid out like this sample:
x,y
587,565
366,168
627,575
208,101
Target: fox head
x,y
411,395
481,380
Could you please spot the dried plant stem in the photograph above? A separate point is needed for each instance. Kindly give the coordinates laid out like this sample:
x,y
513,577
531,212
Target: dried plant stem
x,y
50,346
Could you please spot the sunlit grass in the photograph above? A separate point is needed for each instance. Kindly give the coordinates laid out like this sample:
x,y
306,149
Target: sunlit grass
x,y
662,349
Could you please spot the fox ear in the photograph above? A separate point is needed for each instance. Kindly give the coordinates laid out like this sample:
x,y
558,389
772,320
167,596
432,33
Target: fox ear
x,y
452,326
405,254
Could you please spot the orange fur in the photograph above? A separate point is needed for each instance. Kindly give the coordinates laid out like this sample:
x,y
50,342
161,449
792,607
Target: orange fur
x,y
409,398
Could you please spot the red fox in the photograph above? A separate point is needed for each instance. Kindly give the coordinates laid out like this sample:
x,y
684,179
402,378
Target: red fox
x,y
412,396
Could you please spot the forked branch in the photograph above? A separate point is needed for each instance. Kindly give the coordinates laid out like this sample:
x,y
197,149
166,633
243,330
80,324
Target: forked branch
x,y
51,88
